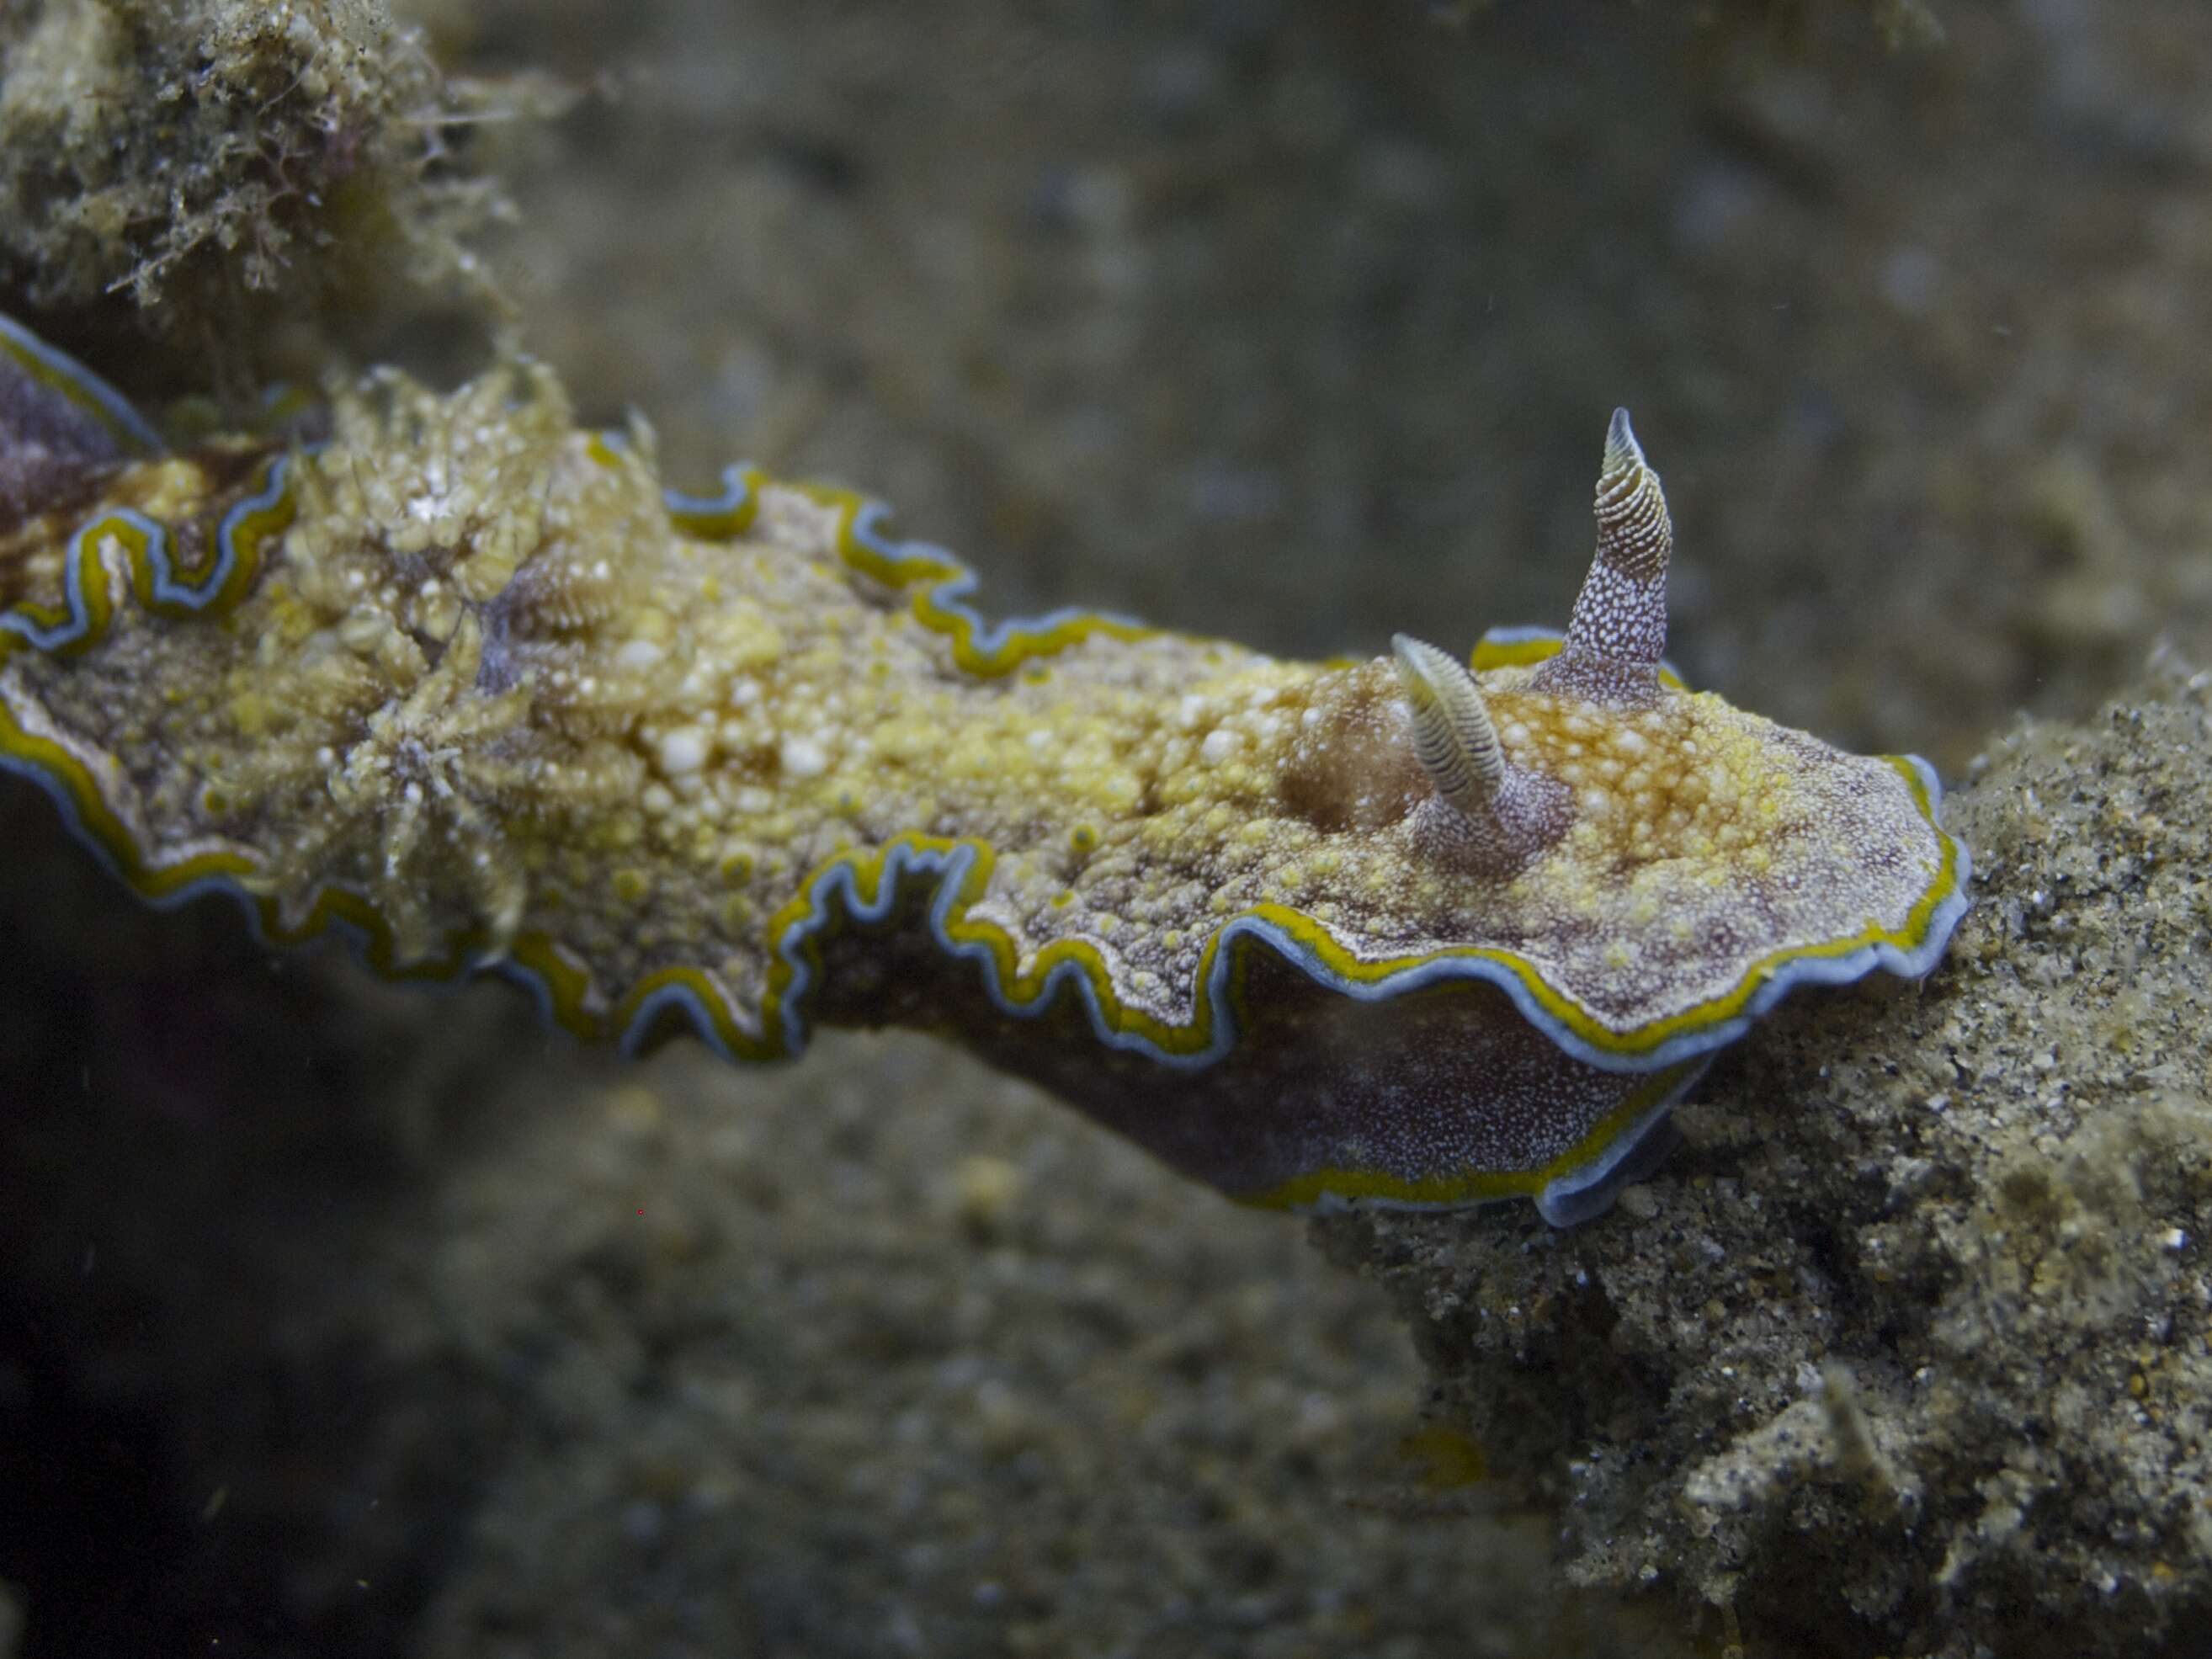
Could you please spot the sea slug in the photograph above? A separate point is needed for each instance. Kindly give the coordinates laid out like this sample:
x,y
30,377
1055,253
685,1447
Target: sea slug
x,y
451,675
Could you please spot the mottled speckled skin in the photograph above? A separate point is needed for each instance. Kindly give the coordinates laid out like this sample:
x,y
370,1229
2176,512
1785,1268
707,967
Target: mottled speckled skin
x,y
467,684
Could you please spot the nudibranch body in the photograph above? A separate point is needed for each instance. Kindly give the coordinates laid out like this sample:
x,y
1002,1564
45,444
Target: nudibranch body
x,y
461,680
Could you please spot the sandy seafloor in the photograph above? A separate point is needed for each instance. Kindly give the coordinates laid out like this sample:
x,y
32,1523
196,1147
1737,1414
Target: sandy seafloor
x,y
341,1322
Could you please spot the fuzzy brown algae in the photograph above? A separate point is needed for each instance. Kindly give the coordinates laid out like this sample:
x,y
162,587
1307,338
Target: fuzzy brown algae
x,y
463,682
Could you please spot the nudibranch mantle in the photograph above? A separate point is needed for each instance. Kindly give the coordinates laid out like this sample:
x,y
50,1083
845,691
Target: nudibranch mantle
x,y
462,681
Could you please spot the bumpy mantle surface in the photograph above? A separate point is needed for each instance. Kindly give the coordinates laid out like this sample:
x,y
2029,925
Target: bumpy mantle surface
x,y
464,682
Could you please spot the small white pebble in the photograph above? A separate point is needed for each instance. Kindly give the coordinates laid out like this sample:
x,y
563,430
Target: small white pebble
x,y
803,758
1220,744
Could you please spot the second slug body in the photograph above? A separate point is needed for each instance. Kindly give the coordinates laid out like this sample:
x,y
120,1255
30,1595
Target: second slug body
x,y
465,683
